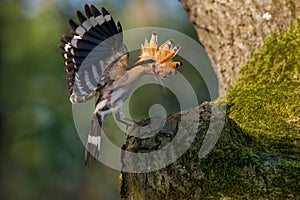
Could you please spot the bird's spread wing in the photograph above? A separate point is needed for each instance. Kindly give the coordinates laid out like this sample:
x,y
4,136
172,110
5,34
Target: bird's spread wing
x,y
94,56
91,52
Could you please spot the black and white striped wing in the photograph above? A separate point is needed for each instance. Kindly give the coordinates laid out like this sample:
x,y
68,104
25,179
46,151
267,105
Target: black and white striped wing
x,y
94,46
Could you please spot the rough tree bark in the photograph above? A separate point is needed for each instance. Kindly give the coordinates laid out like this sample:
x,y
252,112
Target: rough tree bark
x,y
231,31
237,167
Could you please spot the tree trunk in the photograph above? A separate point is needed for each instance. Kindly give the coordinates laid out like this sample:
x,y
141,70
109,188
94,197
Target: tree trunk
x,y
231,169
231,163
231,31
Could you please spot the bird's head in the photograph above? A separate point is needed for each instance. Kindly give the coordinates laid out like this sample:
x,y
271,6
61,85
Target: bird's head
x,y
160,58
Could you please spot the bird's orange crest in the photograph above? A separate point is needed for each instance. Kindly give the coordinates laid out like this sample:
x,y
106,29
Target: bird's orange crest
x,y
162,55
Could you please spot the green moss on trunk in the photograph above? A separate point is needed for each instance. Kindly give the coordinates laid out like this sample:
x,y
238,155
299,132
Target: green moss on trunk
x,y
265,101
258,153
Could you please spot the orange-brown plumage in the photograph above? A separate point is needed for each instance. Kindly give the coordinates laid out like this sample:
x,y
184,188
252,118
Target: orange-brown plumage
x,y
162,55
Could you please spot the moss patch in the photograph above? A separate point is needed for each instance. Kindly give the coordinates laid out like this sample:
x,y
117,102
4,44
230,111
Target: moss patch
x,y
265,101
257,155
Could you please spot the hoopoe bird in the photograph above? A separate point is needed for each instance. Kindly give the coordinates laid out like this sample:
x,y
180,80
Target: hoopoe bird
x,y
96,60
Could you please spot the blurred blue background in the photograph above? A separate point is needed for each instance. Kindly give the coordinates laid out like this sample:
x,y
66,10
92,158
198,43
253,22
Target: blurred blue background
x,y
41,154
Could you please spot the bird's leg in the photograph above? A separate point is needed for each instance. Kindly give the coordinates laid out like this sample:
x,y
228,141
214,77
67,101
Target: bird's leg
x,y
105,113
121,117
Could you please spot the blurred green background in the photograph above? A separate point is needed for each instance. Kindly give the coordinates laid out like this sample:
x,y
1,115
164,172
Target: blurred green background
x,y
41,153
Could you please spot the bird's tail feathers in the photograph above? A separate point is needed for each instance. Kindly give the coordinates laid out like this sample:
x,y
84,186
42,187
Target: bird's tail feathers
x,y
93,141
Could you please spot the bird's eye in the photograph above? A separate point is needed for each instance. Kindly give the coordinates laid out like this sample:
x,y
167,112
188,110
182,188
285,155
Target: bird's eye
x,y
179,64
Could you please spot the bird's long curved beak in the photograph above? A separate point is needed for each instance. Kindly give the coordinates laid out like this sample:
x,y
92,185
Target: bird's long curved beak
x,y
158,79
